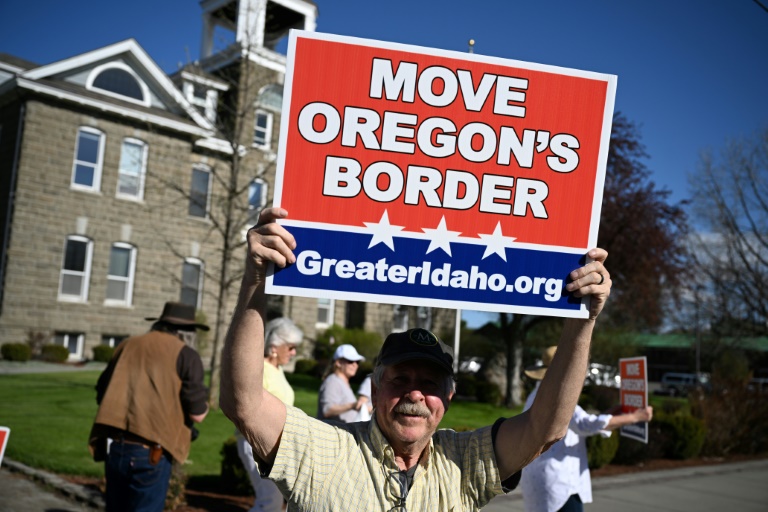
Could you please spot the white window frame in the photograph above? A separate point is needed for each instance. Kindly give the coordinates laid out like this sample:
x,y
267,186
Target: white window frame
x,y
128,280
145,101
267,132
142,172
65,338
403,312
207,170
112,339
201,265
329,308
97,168
85,274
253,210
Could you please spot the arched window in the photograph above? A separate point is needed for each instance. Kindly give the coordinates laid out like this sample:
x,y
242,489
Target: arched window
x,y
271,96
117,79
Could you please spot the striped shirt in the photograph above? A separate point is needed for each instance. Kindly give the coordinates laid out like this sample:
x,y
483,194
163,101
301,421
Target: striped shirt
x,y
351,467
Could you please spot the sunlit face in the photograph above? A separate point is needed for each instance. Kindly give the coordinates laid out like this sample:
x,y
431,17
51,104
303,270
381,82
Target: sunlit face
x,y
284,353
410,402
347,367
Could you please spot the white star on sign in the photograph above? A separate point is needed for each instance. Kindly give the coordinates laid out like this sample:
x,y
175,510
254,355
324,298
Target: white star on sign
x,y
441,238
496,243
383,232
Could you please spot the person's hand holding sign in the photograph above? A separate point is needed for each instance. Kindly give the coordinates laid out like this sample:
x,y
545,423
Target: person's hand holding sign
x,y
268,241
592,279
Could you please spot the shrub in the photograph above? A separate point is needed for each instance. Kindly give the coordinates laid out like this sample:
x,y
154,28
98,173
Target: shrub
x,y
365,342
688,439
103,353
466,384
305,367
234,477
488,392
631,452
16,352
601,450
54,353
736,418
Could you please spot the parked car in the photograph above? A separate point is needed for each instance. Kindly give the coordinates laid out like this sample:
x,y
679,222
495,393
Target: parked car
x,y
679,384
602,375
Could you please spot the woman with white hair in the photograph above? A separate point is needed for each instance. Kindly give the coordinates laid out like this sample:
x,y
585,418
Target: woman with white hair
x,y
282,337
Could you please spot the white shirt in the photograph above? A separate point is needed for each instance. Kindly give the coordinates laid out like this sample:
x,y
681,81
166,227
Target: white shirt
x,y
561,471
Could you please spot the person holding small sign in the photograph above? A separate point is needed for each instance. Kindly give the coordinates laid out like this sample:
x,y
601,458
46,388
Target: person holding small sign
x,y
399,460
559,479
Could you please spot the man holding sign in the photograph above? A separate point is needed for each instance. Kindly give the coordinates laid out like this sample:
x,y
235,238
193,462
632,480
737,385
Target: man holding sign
x,y
399,460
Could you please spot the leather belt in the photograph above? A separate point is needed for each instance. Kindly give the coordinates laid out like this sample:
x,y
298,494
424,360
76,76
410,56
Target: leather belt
x,y
125,437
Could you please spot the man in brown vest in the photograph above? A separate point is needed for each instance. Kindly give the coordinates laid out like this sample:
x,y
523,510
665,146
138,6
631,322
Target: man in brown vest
x,y
150,395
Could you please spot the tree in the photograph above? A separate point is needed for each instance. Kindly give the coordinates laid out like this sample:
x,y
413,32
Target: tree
x,y
730,200
643,235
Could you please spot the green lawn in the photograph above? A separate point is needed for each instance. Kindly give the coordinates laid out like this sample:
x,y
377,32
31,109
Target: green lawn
x,y
50,416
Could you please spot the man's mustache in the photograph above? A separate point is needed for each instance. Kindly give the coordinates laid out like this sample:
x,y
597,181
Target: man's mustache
x,y
412,409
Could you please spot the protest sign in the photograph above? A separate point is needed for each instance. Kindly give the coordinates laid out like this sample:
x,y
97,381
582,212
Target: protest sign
x,y
4,433
634,394
420,176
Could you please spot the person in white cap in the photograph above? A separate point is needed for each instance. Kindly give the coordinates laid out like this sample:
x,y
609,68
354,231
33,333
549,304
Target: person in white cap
x,y
336,400
400,459
559,479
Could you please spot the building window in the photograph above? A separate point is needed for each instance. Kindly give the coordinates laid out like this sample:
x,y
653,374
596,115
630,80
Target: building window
x,y
257,198
112,340
271,96
89,155
73,341
133,167
200,192
324,312
118,80
191,282
400,316
76,269
122,264
262,131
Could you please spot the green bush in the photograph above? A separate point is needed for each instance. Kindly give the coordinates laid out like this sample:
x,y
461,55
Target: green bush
x,y
488,392
466,384
688,434
54,353
305,367
736,418
16,352
103,353
234,477
631,452
601,450
365,342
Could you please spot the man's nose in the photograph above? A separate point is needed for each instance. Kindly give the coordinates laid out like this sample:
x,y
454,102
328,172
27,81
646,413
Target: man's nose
x,y
415,395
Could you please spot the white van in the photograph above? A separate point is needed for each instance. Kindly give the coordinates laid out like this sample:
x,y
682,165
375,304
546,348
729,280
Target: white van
x,y
678,384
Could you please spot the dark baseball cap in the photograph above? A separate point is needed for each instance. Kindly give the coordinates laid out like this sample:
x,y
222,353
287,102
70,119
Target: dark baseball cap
x,y
416,344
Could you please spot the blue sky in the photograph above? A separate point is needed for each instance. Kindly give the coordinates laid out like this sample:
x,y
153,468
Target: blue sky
x,y
691,73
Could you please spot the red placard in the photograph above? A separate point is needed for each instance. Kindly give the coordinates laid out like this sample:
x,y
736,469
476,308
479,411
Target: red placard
x,y
634,394
4,433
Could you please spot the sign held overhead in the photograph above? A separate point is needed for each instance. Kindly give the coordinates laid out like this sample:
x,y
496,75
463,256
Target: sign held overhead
x,y
415,174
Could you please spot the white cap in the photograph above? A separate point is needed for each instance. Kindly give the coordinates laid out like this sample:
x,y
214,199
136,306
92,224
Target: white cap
x,y
347,352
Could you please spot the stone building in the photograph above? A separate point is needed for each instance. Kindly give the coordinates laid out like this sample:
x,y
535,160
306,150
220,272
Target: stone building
x,y
123,187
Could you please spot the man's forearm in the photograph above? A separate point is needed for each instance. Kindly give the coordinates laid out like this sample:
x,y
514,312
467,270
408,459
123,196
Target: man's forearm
x,y
559,391
242,361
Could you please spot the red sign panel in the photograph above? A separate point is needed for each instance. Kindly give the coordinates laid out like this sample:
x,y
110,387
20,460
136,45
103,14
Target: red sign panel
x,y
634,394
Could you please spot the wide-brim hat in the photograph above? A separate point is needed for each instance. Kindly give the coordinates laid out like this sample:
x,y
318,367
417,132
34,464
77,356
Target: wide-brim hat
x,y
416,344
537,371
176,313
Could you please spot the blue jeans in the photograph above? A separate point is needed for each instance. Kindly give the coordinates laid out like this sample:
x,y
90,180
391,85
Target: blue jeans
x,y
573,504
133,484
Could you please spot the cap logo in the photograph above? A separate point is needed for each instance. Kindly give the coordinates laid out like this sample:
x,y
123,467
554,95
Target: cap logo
x,y
423,337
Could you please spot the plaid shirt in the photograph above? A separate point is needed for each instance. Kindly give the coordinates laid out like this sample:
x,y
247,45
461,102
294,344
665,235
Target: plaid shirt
x,y
351,467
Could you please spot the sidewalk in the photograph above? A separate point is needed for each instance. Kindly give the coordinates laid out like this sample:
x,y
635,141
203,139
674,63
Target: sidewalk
x,y
738,486
15,367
